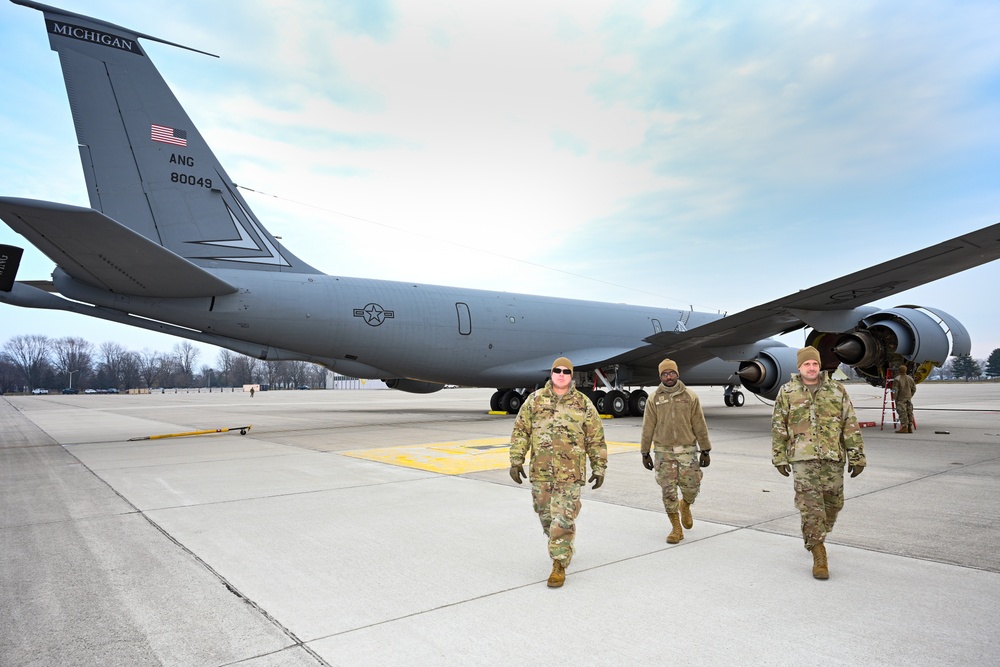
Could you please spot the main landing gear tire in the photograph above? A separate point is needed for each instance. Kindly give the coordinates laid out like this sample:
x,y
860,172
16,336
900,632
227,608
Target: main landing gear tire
x,y
637,402
616,403
734,399
598,399
511,402
497,397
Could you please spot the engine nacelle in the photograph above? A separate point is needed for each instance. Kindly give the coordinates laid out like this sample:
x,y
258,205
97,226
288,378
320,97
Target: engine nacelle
x,y
768,370
920,337
413,386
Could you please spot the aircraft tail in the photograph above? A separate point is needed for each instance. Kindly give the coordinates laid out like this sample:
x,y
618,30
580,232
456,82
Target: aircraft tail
x,y
146,165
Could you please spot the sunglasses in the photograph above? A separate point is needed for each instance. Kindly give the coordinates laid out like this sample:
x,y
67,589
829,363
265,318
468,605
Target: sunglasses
x,y
564,371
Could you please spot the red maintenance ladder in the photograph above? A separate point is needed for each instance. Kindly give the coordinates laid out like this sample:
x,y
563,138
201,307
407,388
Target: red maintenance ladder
x,y
888,400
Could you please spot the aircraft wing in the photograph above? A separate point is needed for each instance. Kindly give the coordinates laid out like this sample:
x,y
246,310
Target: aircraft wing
x,y
811,306
96,250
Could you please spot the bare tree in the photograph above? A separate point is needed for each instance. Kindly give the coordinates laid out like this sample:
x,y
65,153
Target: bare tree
x,y
207,375
316,375
71,356
130,371
10,376
296,373
30,354
225,360
272,373
113,359
185,355
246,370
152,367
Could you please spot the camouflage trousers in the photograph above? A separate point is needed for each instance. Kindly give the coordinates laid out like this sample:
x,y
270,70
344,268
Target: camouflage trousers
x,y
677,469
557,506
819,497
905,411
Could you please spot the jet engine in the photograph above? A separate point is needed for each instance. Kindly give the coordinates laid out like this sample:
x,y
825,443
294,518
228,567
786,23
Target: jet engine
x,y
413,386
768,370
917,336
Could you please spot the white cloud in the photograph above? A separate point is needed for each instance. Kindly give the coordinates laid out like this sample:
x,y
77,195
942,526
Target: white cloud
x,y
700,142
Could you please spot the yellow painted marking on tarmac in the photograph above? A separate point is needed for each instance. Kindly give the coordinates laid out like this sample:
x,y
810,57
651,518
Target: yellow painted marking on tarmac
x,y
456,457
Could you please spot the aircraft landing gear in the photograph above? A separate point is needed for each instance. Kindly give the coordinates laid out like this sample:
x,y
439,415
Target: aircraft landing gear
x,y
511,402
598,397
616,403
637,402
507,400
733,397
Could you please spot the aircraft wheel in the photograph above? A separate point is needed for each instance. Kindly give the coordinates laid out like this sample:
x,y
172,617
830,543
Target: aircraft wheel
x,y
598,400
738,399
495,400
637,403
511,402
617,403
728,400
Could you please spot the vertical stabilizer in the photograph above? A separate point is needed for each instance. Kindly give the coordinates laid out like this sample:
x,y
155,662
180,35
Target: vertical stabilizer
x,y
145,163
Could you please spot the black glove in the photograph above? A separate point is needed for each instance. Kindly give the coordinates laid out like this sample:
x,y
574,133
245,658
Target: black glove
x,y
855,469
704,460
597,480
647,461
517,473
784,469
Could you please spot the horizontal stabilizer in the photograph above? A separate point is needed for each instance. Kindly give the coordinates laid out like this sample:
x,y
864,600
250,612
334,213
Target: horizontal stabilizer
x,y
96,250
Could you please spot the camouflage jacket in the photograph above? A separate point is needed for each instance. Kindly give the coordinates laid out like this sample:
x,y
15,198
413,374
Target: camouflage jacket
x,y
824,428
903,387
560,432
673,419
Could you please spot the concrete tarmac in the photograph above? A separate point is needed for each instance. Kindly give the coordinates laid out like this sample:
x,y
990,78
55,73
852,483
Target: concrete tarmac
x,y
374,527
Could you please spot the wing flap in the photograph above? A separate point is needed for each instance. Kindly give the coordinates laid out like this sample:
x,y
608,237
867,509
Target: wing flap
x,y
96,250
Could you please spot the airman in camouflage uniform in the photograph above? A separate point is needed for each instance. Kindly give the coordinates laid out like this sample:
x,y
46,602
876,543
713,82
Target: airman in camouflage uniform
x,y
903,388
561,428
813,432
673,425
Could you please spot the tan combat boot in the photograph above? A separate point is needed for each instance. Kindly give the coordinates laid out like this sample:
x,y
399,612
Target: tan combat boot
x,y
686,519
558,575
820,569
676,535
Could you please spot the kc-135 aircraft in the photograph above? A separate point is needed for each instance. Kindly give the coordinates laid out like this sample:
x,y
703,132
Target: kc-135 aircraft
x,y
170,245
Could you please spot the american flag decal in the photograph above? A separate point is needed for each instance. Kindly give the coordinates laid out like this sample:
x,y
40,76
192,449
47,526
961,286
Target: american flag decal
x,y
169,135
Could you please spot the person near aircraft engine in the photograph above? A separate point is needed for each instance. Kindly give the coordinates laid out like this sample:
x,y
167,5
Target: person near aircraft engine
x,y
814,431
903,388
674,427
561,429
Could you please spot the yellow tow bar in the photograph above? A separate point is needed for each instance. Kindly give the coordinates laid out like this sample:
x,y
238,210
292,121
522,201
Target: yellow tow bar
x,y
242,429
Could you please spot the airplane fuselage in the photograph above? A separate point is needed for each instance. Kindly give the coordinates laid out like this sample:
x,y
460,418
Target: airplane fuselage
x,y
363,327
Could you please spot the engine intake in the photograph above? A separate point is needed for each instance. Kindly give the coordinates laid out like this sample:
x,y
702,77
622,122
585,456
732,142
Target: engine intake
x,y
919,336
766,372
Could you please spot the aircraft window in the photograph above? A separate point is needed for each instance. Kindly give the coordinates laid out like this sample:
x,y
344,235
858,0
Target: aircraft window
x,y
656,326
464,319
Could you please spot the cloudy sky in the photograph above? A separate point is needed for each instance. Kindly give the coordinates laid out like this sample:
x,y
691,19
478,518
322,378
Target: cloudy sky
x,y
707,154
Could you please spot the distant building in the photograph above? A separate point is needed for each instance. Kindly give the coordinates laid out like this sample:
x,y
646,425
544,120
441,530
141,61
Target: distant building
x,y
334,381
